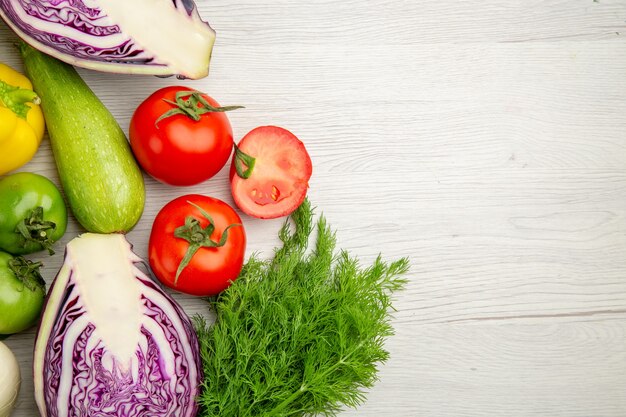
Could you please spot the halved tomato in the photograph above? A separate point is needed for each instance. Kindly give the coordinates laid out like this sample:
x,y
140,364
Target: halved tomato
x,y
270,172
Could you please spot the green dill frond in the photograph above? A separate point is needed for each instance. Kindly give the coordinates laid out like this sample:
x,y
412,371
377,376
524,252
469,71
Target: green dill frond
x,y
301,334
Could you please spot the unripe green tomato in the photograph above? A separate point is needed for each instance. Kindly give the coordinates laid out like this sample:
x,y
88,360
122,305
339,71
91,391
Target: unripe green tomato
x,y
22,293
32,213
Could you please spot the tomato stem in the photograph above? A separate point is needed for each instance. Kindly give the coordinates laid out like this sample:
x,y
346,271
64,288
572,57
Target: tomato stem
x,y
192,107
37,230
198,237
241,159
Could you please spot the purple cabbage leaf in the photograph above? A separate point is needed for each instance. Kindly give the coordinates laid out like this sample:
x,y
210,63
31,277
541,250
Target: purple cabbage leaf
x,y
111,342
158,37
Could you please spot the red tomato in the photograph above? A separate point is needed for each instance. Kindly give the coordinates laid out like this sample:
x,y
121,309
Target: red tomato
x,y
173,147
181,226
279,169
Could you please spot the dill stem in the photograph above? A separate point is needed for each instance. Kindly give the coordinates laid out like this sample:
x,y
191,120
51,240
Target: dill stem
x,y
304,387
287,401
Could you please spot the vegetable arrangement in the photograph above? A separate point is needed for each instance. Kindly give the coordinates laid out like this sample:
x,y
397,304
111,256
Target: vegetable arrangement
x,y
300,334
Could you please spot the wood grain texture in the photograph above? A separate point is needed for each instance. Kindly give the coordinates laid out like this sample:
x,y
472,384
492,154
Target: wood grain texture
x,y
486,140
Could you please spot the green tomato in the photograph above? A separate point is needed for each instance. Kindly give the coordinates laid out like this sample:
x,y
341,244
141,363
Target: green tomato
x,y
22,293
32,213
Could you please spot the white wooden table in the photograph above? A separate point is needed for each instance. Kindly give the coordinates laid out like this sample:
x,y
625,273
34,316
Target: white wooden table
x,y
486,140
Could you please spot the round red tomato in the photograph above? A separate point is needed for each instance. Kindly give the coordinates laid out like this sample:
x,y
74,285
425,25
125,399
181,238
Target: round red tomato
x,y
181,136
270,172
197,245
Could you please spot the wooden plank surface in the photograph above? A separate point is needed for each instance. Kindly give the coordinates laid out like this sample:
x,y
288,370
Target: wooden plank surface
x,y
486,140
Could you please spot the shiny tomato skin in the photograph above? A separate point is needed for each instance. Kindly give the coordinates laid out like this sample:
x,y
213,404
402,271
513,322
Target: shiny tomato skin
x,y
280,177
179,150
211,270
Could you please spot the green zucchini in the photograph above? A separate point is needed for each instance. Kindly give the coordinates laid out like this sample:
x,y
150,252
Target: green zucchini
x,y
102,181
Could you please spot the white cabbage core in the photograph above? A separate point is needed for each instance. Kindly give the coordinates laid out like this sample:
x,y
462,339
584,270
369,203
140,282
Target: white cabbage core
x,y
169,33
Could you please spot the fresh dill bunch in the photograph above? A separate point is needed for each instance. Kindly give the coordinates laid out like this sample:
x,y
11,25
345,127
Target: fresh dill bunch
x,y
298,335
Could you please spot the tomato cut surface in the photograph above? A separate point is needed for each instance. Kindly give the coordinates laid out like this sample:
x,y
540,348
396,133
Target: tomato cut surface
x,y
279,177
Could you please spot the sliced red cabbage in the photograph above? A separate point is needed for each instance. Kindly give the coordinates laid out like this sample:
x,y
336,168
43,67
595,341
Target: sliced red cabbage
x,y
158,37
111,342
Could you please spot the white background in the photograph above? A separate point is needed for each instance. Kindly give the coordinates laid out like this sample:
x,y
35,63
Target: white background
x,y
485,140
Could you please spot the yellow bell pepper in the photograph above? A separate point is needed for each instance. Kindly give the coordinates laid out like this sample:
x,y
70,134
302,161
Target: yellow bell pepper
x,y
21,120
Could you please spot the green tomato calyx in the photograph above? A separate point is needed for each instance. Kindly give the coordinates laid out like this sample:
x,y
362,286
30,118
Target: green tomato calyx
x,y
27,272
198,237
37,230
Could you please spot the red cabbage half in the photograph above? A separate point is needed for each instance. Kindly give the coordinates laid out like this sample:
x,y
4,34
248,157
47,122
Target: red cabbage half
x,y
111,342
158,37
